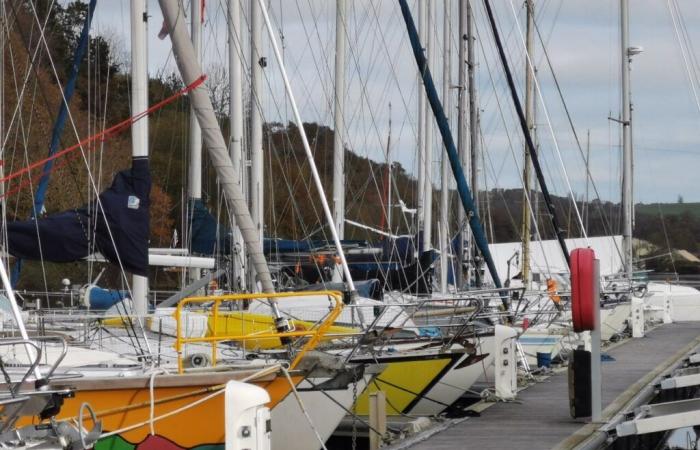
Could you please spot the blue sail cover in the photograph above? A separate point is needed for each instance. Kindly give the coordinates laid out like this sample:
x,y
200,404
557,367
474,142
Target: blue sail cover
x,y
103,299
397,268
207,233
120,235
208,236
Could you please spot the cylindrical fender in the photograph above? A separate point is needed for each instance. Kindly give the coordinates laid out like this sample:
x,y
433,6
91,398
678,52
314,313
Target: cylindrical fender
x,y
583,289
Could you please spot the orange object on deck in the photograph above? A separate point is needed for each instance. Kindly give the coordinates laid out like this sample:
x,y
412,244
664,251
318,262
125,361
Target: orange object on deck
x,y
552,290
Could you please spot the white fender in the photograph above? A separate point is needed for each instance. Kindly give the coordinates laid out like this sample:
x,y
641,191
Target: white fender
x,y
246,417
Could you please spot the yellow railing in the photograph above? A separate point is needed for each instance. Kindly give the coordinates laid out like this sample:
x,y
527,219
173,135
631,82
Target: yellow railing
x,y
316,333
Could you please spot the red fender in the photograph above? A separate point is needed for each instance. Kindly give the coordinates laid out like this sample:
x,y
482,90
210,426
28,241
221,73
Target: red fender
x,y
583,289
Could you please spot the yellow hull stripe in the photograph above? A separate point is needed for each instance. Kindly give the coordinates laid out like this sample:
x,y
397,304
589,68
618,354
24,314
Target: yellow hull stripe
x,y
411,376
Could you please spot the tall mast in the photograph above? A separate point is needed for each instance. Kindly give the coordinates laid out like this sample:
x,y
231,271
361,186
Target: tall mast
x,y
339,131
526,132
235,55
462,142
626,142
312,165
389,178
588,159
530,120
215,144
3,206
465,194
422,111
139,130
428,142
257,63
194,186
473,131
445,168
385,223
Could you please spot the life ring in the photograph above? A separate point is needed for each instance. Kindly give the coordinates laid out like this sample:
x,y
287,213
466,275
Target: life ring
x,y
583,289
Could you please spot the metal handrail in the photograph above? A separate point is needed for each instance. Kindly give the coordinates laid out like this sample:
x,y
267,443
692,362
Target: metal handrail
x,y
316,333
64,351
33,366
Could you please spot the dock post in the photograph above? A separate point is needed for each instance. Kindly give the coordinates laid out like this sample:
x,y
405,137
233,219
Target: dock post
x,y
377,419
596,381
506,372
637,316
668,308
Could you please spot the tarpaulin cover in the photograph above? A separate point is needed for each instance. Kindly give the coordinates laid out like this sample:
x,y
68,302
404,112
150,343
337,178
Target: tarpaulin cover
x,y
120,234
207,233
208,236
103,299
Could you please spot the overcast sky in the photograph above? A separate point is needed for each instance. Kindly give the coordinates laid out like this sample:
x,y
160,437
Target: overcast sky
x,y
580,36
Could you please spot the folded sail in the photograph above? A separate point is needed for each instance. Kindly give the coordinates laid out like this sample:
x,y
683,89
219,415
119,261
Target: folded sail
x,y
119,229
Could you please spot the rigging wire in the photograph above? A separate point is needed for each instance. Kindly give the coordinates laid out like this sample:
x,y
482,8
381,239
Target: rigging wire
x,y
606,224
549,124
105,134
691,79
527,196
372,172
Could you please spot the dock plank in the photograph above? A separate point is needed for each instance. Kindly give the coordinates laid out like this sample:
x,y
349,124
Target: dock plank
x,y
541,420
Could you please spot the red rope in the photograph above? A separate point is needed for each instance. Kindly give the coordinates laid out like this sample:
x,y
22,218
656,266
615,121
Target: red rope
x,y
102,136
34,179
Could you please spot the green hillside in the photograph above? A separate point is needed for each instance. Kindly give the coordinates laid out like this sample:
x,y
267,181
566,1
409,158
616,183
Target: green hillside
x,y
669,208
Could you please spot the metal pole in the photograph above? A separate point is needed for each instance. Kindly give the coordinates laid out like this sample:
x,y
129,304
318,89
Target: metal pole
x,y
462,142
257,62
339,129
307,148
449,145
389,208
3,205
528,138
428,142
596,381
530,120
139,130
386,183
626,142
474,142
214,142
588,171
235,57
422,110
445,168
377,419
195,133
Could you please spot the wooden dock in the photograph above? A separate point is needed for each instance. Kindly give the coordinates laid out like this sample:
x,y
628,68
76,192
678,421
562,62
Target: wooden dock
x,y
540,418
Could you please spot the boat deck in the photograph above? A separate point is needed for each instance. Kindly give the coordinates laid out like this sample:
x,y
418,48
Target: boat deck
x,y
540,418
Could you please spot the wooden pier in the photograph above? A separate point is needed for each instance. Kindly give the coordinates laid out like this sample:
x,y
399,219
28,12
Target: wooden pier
x,y
540,419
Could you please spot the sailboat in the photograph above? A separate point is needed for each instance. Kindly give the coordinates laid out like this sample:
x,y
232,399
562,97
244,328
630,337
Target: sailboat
x,y
25,404
203,328
191,408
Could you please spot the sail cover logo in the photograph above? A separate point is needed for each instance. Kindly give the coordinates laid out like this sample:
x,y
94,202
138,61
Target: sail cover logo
x,y
133,202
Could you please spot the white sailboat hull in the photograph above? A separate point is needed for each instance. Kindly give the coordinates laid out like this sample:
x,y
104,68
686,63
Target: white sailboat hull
x,y
291,430
456,382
